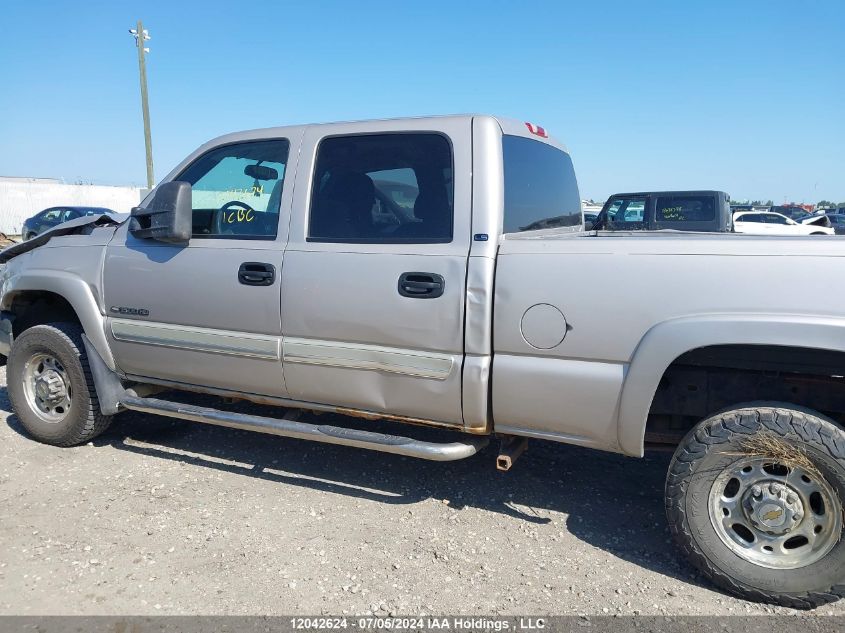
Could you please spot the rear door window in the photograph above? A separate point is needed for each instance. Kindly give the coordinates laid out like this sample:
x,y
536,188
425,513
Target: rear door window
x,y
382,189
540,187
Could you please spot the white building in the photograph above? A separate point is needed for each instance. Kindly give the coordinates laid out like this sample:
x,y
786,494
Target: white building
x,y
21,198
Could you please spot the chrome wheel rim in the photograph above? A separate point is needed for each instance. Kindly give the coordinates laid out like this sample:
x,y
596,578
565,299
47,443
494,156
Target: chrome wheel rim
x,y
47,387
775,516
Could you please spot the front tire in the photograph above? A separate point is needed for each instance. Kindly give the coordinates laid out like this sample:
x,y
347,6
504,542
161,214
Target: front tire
x,y
754,498
50,385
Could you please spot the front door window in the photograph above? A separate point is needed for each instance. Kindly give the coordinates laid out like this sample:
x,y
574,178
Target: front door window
x,y
237,190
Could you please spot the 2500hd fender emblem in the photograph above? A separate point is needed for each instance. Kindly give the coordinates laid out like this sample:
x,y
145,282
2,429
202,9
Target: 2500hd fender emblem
x,y
130,311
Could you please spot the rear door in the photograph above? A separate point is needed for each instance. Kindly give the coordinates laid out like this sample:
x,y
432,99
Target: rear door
x,y
375,268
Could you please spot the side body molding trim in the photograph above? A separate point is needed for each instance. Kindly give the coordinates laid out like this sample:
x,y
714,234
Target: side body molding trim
x,y
666,341
359,356
196,338
294,350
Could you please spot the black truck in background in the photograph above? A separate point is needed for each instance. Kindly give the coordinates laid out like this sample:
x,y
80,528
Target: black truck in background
x,y
708,211
659,210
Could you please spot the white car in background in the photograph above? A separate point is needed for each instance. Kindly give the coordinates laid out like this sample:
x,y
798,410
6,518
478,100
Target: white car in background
x,y
769,223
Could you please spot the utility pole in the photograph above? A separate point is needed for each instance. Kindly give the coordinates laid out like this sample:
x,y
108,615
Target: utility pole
x,y
142,36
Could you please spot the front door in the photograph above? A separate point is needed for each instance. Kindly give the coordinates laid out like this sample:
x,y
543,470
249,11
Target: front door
x,y
208,313
375,269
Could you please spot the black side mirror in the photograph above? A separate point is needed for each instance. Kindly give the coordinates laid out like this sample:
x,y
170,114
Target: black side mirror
x,y
167,217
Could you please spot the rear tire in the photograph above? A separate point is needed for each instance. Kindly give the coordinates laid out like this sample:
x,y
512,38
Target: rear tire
x,y
50,385
752,515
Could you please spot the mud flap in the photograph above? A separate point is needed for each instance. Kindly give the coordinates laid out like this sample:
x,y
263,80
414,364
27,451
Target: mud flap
x,y
6,334
106,383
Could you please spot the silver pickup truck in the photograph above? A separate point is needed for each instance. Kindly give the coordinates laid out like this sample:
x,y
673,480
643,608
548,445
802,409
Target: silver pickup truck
x,y
435,271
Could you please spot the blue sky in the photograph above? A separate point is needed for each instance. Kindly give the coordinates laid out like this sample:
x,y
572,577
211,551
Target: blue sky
x,y
748,97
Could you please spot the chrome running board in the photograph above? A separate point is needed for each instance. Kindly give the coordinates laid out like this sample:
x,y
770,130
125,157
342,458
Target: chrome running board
x,y
288,427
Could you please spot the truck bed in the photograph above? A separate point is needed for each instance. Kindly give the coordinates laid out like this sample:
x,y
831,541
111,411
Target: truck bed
x,y
635,302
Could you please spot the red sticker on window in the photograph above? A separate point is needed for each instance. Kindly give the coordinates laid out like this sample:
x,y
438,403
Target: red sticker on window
x,y
536,130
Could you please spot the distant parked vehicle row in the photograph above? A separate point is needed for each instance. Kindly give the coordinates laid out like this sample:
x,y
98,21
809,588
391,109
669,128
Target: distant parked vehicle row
x,y
801,215
769,223
707,211
656,210
837,221
48,218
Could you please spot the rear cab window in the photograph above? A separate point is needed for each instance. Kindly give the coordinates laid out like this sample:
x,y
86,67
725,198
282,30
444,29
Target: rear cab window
x,y
541,191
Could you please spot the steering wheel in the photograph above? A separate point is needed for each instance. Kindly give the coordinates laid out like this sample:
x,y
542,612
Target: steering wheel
x,y
226,219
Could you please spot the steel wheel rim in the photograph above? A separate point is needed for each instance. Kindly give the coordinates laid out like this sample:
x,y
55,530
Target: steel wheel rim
x,y
47,387
775,516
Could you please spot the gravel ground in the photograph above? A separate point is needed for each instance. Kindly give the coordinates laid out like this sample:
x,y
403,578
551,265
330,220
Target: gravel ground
x,y
160,516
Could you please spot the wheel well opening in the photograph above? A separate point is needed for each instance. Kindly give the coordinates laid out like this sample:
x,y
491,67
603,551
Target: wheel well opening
x,y
708,379
36,307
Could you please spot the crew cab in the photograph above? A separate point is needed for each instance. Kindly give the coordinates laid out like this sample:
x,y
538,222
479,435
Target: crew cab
x,y
431,271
